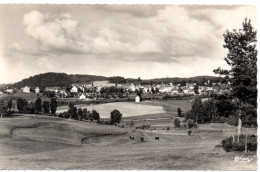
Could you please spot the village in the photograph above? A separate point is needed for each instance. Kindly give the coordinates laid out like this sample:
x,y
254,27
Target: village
x,y
105,89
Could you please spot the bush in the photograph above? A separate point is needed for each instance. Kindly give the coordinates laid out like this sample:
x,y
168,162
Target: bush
x,y
95,115
72,111
167,128
190,123
115,117
233,120
21,103
53,105
80,114
3,108
46,107
179,112
229,145
177,123
38,105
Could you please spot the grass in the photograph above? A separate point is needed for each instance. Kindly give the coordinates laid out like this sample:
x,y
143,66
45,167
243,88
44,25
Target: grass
x,y
45,142
126,108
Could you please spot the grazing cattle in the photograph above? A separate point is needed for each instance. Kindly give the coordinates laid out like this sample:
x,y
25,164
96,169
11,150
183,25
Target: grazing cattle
x,y
132,137
142,139
156,138
189,132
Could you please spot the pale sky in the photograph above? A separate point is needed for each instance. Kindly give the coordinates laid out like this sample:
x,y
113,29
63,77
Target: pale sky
x,y
147,41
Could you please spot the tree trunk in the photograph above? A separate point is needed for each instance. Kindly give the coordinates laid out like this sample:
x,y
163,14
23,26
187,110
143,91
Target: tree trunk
x,y
239,126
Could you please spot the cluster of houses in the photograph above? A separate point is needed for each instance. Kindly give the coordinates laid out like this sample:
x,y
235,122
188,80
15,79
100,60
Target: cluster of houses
x,y
85,91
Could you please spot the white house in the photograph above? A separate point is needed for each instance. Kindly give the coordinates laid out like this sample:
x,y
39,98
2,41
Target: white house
x,y
26,89
37,90
165,89
82,97
137,99
55,89
9,90
74,89
132,87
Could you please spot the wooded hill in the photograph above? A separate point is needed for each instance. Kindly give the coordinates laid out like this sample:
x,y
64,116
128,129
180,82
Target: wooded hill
x,y
197,79
55,79
52,79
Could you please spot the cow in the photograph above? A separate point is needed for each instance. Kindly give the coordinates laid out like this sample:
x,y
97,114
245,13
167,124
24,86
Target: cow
x,y
132,137
142,139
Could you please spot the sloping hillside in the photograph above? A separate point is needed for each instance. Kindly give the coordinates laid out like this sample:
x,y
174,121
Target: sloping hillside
x,y
45,80
51,79
86,78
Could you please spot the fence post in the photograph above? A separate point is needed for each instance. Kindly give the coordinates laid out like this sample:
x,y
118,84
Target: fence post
x,y
246,144
233,138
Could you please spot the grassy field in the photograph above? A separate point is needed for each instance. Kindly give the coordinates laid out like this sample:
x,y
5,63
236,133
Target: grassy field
x,y
126,108
45,142
129,109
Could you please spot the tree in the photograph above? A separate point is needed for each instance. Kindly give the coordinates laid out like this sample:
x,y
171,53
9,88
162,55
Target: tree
x,y
179,112
209,110
95,115
10,104
80,114
46,107
54,105
242,57
21,103
38,105
196,89
115,117
196,110
3,108
72,111
85,113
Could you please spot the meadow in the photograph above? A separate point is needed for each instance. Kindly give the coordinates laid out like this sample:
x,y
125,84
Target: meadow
x,y
30,141
46,142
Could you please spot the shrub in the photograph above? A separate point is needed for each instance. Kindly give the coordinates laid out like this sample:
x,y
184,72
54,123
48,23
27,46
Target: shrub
x,y
167,128
3,108
177,123
95,115
46,107
10,104
54,105
179,112
229,145
80,114
115,117
21,103
190,123
38,105
233,120
72,111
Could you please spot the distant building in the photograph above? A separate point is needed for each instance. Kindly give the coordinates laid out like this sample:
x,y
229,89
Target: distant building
x,y
55,89
26,89
74,89
165,89
9,90
37,90
82,97
137,99
132,88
